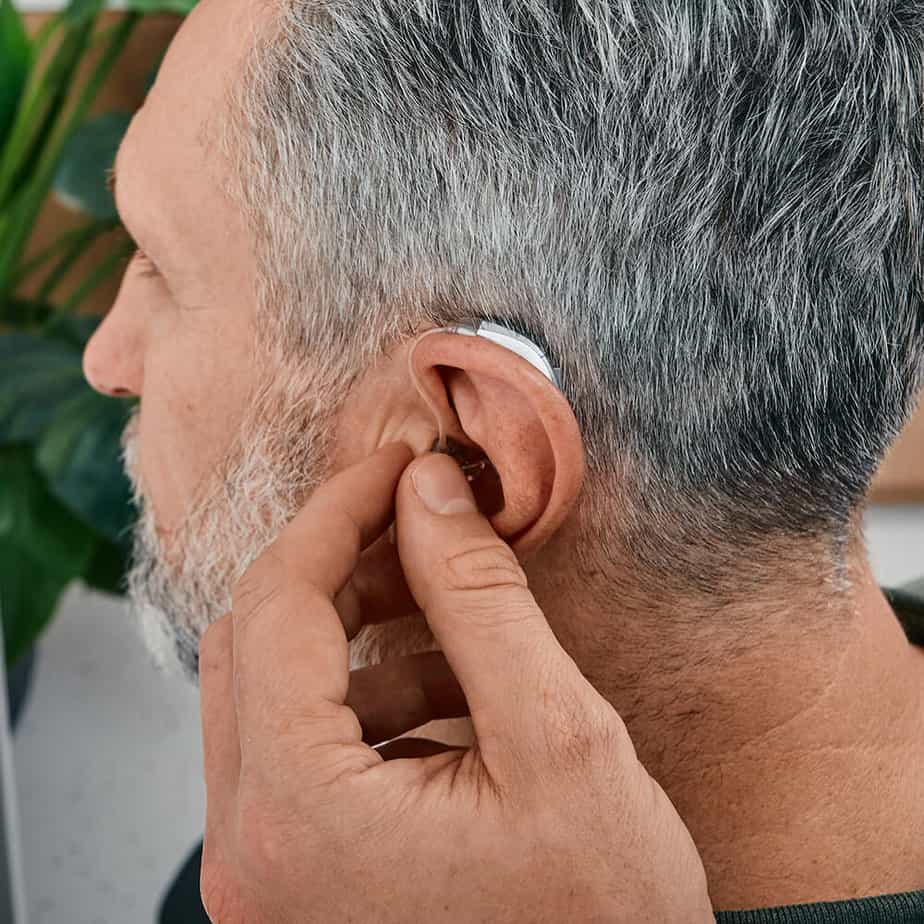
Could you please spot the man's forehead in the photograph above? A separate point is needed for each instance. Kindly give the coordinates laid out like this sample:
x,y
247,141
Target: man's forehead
x,y
168,169
211,45
190,94
201,64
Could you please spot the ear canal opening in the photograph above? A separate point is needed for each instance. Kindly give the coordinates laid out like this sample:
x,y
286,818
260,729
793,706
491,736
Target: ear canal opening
x,y
479,472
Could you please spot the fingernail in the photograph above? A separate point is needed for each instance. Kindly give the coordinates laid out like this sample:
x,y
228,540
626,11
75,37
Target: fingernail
x,y
442,487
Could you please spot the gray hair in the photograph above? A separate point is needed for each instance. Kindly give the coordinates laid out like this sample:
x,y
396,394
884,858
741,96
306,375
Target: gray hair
x,y
709,213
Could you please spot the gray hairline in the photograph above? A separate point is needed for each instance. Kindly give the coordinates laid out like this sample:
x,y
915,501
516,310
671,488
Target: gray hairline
x,y
365,345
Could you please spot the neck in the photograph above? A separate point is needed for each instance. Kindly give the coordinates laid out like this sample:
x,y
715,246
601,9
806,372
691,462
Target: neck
x,y
786,738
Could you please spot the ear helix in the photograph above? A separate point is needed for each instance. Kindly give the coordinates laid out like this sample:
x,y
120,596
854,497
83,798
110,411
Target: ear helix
x,y
441,425
503,336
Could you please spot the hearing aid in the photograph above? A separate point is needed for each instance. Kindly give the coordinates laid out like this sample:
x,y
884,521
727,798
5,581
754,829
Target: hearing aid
x,y
511,340
472,459
497,333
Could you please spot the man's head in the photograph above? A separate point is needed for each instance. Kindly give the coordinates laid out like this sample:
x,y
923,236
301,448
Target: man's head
x,y
709,218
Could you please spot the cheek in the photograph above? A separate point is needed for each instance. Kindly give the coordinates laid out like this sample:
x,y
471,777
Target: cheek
x,y
169,457
191,410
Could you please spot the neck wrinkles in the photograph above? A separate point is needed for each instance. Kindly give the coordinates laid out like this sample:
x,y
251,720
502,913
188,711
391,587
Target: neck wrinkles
x,y
786,739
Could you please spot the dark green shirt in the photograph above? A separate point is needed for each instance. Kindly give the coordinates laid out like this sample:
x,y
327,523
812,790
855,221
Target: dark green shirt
x,y
898,908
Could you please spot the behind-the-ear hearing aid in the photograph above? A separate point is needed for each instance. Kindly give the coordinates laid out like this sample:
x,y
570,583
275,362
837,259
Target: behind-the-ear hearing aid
x,y
503,336
472,459
510,339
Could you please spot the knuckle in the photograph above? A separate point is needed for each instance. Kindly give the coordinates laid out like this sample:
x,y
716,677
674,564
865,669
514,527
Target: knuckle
x,y
217,891
491,566
582,734
326,725
261,838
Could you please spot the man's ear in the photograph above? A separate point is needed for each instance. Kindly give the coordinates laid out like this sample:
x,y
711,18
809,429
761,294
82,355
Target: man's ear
x,y
490,399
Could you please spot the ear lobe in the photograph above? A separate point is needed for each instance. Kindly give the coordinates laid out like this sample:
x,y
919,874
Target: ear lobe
x,y
501,404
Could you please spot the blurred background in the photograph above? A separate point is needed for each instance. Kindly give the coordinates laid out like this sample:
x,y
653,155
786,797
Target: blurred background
x,y
106,749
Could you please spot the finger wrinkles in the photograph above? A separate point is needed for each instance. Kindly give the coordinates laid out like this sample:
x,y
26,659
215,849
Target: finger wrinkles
x,y
483,567
258,586
324,723
488,589
215,646
585,737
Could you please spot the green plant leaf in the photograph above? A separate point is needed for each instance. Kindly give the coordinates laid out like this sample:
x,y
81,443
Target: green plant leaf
x,y
20,311
60,245
161,6
14,64
16,228
74,329
80,182
42,548
45,93
34,520
80,455
78,12
108,567
36,376
115,262
29,593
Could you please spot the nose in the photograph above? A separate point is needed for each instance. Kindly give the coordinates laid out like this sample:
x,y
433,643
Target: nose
x,y
113,359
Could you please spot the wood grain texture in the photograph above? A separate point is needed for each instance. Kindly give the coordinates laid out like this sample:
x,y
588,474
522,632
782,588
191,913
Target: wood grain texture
x,y
901,475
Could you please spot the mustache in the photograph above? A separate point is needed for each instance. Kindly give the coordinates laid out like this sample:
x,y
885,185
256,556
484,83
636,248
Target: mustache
x,y
128,443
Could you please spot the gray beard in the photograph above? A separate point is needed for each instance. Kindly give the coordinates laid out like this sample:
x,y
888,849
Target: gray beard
x,y
266,477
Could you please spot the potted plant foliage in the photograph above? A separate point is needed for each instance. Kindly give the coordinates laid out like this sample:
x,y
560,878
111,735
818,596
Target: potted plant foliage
x,y
65,508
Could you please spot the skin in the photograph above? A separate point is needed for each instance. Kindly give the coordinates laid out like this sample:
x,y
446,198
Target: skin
x,y
343,833
788,748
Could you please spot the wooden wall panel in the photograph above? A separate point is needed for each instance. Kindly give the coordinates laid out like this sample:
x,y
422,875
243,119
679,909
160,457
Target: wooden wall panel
x,y
901,476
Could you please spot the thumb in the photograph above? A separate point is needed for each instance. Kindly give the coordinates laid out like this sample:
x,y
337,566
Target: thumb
x,y
475,597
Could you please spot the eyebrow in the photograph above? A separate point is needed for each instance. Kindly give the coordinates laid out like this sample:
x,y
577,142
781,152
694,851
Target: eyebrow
x,y
112,185
174,272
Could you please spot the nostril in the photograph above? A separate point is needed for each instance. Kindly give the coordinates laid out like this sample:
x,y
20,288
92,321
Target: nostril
x,y
113,391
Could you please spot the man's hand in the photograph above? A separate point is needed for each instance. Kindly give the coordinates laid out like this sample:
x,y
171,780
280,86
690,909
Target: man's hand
x,y
548,817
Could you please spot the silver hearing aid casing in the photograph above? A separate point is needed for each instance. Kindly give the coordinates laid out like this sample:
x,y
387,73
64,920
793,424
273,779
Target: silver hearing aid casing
x,y
510,339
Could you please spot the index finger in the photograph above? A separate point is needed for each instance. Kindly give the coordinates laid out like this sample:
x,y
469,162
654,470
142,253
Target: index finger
x,y
290,647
